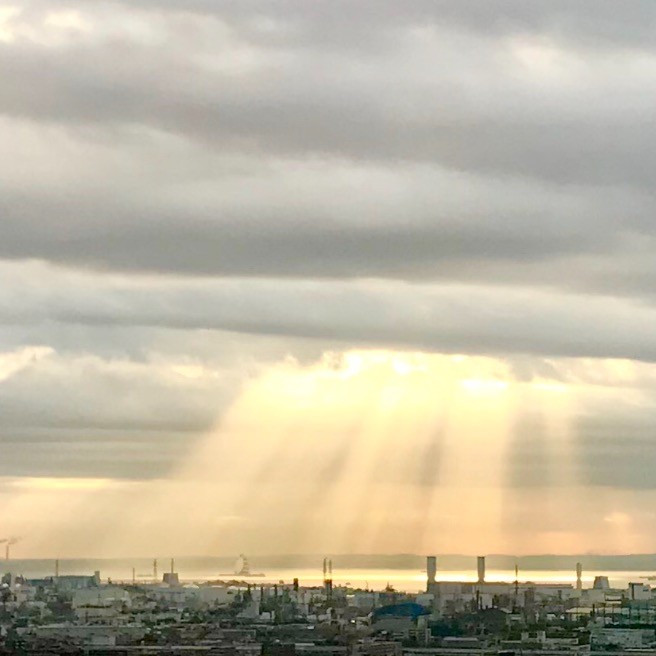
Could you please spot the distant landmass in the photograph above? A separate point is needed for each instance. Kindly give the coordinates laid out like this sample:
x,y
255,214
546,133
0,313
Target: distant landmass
x,y
215,565
458,562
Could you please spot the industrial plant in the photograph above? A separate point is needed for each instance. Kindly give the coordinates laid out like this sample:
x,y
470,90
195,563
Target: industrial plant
x,y
148,614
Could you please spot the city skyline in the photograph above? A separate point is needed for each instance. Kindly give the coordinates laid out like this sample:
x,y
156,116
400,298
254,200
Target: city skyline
x,y
308,277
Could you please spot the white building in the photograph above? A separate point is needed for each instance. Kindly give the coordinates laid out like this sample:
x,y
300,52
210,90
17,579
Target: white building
x,y
107,595
639,592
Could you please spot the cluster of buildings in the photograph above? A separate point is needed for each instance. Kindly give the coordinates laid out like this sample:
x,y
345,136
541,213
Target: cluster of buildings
x,y
87,615
546,617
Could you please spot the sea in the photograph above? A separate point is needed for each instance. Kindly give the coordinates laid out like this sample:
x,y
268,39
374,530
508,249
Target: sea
x,y
201,569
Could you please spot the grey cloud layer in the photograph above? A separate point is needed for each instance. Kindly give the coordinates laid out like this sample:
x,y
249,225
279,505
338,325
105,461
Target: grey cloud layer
x,y
241,144
226,183
220,216
428,93
453,318
447,142
80,415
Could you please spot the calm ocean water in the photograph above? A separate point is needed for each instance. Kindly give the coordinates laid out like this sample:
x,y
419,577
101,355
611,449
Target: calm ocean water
x,y
203,569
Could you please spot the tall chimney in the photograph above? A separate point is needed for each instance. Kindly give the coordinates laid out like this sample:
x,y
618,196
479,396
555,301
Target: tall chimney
x,y
579,575
431,569
481,569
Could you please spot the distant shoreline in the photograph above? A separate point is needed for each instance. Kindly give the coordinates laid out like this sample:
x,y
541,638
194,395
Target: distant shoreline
x,y
446,562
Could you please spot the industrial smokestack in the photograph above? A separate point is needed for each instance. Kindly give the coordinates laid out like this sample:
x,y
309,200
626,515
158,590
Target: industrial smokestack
x,y
10,542
155,569
431,569
579,576
328,577
480,561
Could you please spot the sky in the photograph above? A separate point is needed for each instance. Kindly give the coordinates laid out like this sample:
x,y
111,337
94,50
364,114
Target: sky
x,y
327,277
